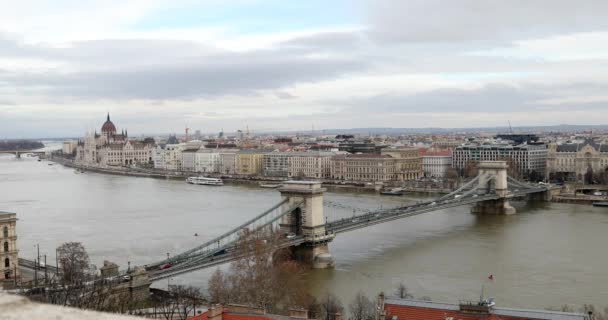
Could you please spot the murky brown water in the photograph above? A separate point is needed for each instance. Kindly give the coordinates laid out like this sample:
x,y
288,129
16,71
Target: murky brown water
x,y
547,255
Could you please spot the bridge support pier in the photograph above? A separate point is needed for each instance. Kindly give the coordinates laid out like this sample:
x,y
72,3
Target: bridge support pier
x,y
493,177
495,207
307,221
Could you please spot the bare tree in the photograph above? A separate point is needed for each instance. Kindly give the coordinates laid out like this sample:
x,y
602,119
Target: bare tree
x,y
361,308
452,177
219,287
186,298
74,261
471,169
330,305
402,292
261,276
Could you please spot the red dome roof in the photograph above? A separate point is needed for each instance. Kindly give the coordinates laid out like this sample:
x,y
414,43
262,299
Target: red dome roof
x,y
108,126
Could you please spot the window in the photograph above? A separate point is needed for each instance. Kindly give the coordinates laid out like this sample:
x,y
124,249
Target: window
x,y
5,231
5,246
7,263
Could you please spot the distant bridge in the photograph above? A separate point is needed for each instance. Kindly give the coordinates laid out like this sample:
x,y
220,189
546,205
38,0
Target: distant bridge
x,y
18,153
300,214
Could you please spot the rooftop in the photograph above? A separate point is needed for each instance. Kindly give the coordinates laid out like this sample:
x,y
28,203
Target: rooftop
x,y
405,309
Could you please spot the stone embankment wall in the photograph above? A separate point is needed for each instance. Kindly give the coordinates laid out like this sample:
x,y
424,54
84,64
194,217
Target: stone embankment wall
x,y
17,308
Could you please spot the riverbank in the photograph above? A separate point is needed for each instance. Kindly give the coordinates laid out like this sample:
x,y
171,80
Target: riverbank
x,y
249,180
579,199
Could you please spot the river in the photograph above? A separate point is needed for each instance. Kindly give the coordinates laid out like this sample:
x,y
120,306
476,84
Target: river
x,y
548,254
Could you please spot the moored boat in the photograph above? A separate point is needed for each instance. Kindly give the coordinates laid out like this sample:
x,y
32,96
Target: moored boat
x,y
205,181
269,185
393,192
600,204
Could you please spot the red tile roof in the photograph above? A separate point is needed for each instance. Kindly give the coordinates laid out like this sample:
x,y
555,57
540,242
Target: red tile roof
x,y
401,309
415,313
226,315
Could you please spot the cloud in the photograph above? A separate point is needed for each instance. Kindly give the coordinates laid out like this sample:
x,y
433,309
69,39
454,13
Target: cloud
x,y
167,69
490,99
442,61
490,20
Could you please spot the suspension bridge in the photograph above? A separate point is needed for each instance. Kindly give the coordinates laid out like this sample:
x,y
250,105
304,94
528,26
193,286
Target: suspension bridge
x,y
300,219
18,153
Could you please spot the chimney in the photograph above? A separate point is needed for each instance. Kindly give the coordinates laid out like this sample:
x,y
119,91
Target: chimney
x,y
215,312
380,312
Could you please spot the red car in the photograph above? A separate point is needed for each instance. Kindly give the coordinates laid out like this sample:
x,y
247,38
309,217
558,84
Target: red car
x,y
165,266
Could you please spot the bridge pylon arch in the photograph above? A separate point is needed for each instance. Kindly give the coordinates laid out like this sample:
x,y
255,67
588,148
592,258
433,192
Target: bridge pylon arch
x,y
308,221
493,175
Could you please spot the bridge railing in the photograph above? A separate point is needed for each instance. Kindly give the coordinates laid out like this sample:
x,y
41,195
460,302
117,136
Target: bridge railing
x,y
226,240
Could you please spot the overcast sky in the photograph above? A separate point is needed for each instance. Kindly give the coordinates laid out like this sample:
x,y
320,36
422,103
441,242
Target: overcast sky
x,y
162,65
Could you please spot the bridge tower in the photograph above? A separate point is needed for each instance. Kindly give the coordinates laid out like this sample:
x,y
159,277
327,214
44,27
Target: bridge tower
x,y
493,177
307,221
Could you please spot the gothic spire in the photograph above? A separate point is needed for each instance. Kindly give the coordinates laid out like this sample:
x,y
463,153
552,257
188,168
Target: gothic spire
x,y
108,116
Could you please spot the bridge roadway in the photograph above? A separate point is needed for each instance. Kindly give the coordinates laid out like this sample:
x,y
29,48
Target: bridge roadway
x,y
209,261
29,264
227,253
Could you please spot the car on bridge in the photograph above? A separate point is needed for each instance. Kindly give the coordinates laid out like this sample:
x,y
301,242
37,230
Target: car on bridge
x,y
290,235
166,266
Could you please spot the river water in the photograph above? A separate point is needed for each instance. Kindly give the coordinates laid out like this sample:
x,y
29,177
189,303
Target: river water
x,y
548,254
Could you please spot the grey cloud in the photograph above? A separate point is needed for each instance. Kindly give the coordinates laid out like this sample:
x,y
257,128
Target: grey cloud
x,y
494,98
328,40
487,20
175,70
284,95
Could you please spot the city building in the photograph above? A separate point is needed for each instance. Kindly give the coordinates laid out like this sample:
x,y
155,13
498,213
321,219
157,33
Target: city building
x,y
10,257
315,165
530,159
228,161
359,147
408,163
69,147
112,149
275,164
573,161
249,162
406,309
168,156
208,160
436,164
188,159
363,167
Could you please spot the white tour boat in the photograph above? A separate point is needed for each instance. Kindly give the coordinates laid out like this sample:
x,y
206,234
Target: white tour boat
x,y
205,181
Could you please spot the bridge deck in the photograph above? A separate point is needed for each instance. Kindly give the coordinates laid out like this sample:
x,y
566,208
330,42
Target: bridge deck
x,y
208,255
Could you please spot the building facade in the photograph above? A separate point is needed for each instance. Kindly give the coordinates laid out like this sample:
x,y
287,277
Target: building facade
x,y
530,159
408,162
275,164
112,149
69,147
10,256
249,162
572,161
436,164
208,160
363,167
228,162
315,165
188,159
168,156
